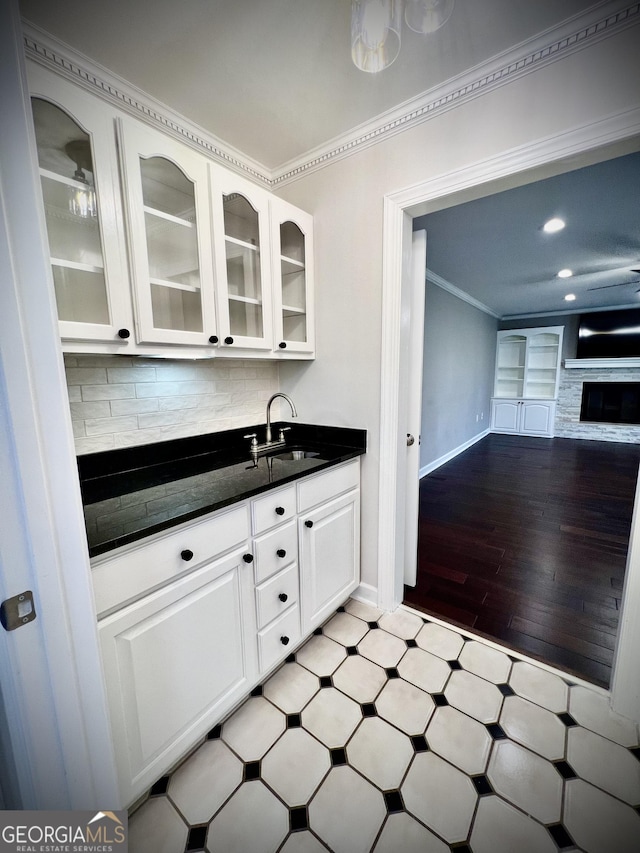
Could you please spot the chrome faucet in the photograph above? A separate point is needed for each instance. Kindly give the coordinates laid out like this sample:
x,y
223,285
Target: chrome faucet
x,y
260,449
271,399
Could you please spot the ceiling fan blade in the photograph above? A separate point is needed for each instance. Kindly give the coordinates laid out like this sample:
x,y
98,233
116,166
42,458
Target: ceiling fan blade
x,y
621,284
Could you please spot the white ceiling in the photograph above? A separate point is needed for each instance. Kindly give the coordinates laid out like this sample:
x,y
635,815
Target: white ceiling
x,y
274,79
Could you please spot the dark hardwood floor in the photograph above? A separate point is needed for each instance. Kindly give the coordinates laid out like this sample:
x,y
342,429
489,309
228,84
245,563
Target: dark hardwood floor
x,y
524,540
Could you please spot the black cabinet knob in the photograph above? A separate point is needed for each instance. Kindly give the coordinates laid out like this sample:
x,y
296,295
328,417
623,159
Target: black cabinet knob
x,y
282,344
214,339
281,552
124,334
308,523
283,596
248,558
279,510
284,641
228,340
186,555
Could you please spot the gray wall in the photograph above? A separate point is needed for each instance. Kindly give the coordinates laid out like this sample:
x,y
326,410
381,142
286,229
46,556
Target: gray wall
x,y
458,371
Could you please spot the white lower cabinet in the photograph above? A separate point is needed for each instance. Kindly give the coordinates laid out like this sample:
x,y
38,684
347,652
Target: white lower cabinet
x,y
523,417
329,543
175,662
180,656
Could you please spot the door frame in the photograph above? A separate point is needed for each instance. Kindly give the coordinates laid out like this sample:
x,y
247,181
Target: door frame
x,y
616,135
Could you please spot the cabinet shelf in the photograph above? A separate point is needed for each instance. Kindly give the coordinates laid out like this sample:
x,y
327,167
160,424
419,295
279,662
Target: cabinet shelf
x,y
243,243
62,179
294,263
289,310
74,265
176,285
249,300
168,217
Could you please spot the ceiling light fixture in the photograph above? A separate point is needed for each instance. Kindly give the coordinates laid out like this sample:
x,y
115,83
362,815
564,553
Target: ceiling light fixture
x,y
376,28
570,297
553,225
565,274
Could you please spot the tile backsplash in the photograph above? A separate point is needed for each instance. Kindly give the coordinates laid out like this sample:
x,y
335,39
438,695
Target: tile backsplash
x,y
120,401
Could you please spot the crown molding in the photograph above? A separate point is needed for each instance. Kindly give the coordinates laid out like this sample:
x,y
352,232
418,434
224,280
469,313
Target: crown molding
x,y
566,312
599,22
43,48
436,279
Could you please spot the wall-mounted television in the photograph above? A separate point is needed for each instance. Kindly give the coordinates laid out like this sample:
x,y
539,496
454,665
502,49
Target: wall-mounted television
x,y
609,334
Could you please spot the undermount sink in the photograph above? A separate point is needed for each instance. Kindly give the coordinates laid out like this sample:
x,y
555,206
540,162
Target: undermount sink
x,y
294,454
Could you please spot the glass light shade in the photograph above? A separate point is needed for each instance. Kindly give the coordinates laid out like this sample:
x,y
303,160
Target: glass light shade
x,y
375,33
427,16
82,196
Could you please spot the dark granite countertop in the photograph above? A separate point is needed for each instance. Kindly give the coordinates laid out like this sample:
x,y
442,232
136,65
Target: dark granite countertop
x,y
136,491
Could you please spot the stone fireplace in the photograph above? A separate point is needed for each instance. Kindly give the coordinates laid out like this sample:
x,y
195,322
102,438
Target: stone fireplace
x,y
570,398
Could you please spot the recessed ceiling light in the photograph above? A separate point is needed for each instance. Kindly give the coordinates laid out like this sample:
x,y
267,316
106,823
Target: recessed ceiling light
x,y
565,274
570,297
553,225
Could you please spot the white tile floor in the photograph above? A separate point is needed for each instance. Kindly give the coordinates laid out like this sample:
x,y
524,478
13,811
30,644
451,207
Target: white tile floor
x,y
388,733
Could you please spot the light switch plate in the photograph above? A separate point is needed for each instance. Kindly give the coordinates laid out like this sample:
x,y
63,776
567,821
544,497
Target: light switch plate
x,y
17,611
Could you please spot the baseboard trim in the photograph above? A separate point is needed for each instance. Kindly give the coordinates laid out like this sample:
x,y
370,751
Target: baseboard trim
x,y
452,454
366,593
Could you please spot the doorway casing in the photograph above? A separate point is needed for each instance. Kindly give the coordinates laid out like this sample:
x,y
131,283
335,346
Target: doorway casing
x,y
617,135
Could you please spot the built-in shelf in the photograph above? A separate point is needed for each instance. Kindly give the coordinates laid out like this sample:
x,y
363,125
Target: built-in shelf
x,y
74,265
248,299
600,363
176,285
169,217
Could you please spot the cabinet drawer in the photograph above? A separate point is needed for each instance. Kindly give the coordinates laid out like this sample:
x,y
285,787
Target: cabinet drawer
x,y
276,595
315,490
275,550
129,575
273,508
276,641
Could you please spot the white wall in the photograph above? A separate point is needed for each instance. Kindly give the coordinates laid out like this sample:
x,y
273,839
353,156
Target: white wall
x,y
346,198
457,375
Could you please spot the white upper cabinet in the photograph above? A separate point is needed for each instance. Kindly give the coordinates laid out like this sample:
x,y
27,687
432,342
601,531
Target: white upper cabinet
x,y
166,191
78,173
243,262
292,241
155,247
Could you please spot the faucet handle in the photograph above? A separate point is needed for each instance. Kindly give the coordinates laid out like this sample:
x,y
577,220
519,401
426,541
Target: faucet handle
x,y
254,438
282,432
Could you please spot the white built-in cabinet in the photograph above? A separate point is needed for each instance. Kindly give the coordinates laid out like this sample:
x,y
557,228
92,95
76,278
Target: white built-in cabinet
x,y
190,620
158,250
526,380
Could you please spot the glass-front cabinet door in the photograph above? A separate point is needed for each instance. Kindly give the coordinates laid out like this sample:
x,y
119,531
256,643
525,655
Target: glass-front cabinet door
x,y
243,268
292,239
166,187
77,173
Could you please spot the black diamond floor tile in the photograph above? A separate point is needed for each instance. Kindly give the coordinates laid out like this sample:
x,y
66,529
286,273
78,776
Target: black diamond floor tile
x,y
197,837
317,632
440,699
373,625
338,756
565,769
352,650
419,743
392,672
482,785
635,750
393,801
326,681
368,709
257,691
560,835
215,733
341,610
293,721
411,644
251,771
298,818
496,731
160,787
506,690
290,658
567,719
454,664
